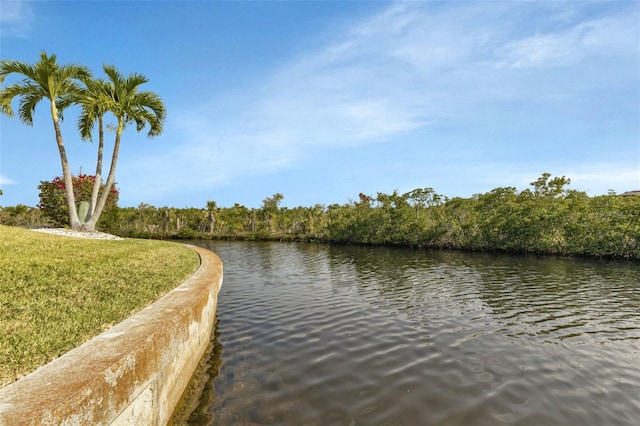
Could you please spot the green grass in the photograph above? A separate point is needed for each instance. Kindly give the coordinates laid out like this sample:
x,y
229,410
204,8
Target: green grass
x,y
58,292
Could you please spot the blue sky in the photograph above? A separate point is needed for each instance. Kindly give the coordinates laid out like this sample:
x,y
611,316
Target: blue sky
x,y
323,100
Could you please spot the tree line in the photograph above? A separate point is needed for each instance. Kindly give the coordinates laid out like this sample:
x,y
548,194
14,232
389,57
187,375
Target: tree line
x,y
546,218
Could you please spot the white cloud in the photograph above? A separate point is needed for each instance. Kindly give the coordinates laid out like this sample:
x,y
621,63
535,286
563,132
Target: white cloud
x,y
594,178
605,36
15,18
6,181
597,179
12,11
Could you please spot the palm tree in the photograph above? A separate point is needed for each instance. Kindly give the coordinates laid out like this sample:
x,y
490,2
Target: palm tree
x,y
120,96
59,84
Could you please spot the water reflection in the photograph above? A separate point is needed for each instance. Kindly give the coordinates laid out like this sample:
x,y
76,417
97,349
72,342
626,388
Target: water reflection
x,y
547,295
200,395
353,335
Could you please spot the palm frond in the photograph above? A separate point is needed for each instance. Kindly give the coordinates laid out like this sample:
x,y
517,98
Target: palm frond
x,y
73,71
96,101
44,79
28,105
29,94
86,123
65,101
15,67
5,104
132,106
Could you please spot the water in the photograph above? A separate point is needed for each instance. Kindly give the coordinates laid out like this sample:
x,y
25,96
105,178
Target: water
x,y
324,335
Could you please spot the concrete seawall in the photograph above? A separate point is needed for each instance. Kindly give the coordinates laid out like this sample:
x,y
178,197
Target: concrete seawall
x,y
134,373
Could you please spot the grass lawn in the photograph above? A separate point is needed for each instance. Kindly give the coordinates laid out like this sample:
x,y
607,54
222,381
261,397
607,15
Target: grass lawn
x,y
58,292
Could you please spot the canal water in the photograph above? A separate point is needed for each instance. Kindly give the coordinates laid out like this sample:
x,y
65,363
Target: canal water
x,y
332,335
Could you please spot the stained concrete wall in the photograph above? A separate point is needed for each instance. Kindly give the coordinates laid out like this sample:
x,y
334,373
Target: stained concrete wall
x,y
134,373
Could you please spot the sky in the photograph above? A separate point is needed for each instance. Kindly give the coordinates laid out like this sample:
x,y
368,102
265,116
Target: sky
x,y
323,100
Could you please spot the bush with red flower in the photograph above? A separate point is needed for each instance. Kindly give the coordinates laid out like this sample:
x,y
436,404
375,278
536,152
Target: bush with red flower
x,y
53,198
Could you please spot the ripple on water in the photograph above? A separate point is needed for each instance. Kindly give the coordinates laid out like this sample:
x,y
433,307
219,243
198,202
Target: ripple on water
x,y
324,335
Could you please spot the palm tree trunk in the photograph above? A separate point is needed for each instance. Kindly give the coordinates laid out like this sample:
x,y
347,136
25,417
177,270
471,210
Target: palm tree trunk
x,y
98,177
74,221
91,224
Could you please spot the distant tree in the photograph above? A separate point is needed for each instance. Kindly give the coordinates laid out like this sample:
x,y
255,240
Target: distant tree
x,y
422,197
270,206
58,84
211,218
546,187
235,220
272,203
